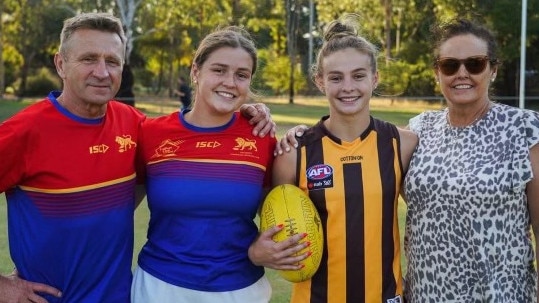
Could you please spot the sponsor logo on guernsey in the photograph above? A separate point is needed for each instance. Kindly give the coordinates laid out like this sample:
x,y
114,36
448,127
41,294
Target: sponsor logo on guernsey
x,y
245,144
351,158
207,144
397,299
167,148
319,176
99,149
125,143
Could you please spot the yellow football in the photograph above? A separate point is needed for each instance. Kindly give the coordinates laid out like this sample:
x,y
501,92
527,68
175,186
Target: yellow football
x,y
289,205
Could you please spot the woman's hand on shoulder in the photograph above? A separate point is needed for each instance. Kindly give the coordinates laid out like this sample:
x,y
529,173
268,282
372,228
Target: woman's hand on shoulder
x,y
289,139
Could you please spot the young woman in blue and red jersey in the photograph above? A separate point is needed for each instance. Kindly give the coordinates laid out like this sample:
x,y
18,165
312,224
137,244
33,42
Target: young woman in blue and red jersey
x,y
206,176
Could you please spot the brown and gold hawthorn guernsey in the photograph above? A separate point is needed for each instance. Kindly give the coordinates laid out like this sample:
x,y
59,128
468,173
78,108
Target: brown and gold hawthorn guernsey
x,y
355,187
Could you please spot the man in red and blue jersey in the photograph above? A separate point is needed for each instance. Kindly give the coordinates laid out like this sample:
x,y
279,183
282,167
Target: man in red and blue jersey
x,y
69,177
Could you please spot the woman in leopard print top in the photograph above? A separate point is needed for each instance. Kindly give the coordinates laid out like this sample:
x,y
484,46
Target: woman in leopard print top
x,y
472,188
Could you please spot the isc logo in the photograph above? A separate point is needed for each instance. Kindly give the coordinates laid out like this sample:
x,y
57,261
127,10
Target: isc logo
x,y
96,149
208,144
319,171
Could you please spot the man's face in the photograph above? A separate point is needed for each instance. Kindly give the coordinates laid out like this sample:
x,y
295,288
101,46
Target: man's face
x,y
91,68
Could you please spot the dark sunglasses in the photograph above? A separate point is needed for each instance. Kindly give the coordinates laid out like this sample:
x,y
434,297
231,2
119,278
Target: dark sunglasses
x,y
474,65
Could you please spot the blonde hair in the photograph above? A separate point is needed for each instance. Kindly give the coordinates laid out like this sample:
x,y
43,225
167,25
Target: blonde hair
x,y
342,34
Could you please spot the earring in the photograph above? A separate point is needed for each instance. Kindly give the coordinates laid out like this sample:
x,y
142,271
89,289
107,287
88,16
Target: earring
x,y
492,79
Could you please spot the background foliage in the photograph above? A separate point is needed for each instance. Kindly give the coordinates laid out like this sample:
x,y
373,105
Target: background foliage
x,y
164,33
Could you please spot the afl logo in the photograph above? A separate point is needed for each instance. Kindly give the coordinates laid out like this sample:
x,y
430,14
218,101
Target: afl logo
x,y
319,172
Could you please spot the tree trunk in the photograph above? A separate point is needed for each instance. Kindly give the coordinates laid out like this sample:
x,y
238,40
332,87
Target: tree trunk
x,y
236,14
127,10
291,83
388,12
292,28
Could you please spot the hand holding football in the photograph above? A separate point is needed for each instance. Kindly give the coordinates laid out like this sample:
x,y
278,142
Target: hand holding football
x,y
289,205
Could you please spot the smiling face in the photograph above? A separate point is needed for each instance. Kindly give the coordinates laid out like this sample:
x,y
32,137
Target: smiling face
x,y
463,87
91,69
348,80
223,81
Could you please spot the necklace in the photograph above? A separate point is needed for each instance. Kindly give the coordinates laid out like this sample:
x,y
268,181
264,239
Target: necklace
x,y
457,149
478,115
455,131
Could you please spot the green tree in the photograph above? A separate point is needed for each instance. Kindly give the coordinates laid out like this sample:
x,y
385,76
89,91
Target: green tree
x,y
168,37
33,31
275,73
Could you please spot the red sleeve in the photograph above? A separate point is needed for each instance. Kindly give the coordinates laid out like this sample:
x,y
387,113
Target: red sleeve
x,y
12,154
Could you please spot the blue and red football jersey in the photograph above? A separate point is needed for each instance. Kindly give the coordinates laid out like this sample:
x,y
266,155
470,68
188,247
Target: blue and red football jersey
x,y
204,187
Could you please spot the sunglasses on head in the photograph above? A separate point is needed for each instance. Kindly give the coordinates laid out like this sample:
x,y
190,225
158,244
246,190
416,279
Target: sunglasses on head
x,y
474,65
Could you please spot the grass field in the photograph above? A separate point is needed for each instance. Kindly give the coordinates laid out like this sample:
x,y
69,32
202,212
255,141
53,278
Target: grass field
x,y
303,111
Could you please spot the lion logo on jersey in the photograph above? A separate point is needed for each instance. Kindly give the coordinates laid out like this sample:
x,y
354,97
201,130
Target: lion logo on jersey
x,y
242,143
125,142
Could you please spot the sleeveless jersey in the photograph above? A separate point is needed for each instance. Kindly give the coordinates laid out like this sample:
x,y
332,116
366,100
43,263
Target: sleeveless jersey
x,y
204,188
355,188
69,186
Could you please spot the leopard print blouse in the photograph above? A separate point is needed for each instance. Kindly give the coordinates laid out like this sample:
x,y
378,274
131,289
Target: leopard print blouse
x,y
467,235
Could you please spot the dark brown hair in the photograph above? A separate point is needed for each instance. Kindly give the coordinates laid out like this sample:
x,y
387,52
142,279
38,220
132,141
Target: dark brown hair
x,y
460,26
